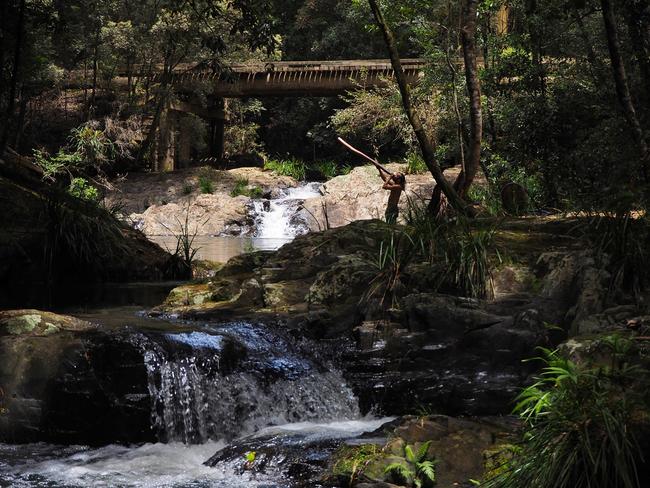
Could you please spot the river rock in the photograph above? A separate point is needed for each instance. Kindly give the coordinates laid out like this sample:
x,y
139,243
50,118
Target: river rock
x,y
162,204
359,196
37,323
49,238
453,355
457,445
63,381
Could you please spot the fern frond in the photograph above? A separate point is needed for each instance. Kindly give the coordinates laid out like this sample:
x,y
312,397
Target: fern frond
x,y
410,455
427,470
422,452
399,470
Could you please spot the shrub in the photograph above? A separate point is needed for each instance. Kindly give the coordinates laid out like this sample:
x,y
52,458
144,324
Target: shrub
x,y
464,250
415,164
486,198
467,258
80,188
205,184
328,169
623,240
580,428
417,471
287,167
394,253
501,171
88,150
85,234
351,461
242,188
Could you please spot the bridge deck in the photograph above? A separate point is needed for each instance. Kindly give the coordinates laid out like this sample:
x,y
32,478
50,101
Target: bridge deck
x,y
299,78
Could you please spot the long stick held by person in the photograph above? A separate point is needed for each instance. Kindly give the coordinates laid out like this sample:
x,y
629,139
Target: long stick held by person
x,y
393,182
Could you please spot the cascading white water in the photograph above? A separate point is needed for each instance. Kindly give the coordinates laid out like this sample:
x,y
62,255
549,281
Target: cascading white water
x,y
275,218
206,386
195,399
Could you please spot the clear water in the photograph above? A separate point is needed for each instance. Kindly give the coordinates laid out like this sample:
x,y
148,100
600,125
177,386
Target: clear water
x,y
221,248
195,400
276,223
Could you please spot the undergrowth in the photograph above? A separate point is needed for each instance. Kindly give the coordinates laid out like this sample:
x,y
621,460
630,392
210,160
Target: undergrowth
x,y
287,167
459,252
417,471
90,238
621,238
205,185
242,188
580,425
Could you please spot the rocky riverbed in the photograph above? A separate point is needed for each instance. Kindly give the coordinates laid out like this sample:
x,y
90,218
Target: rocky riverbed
x,y
298,337
158,204
452,354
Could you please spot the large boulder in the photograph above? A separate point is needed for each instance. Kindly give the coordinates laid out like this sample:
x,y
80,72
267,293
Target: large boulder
x,y
442,352
161,204
62,380
358,196
47,236
447,355
458,446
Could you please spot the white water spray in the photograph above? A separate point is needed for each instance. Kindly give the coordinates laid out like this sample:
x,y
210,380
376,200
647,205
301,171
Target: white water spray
x,y
276,218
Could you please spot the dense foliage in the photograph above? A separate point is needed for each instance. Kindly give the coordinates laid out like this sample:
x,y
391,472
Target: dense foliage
x,y
583,423
565,97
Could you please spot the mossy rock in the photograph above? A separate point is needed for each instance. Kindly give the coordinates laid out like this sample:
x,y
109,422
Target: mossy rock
x,y
204,269
350,463
31,322
187,295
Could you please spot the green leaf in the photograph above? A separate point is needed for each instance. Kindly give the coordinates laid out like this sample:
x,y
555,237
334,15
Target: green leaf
x,y
422,451
400,471
427,470
410,456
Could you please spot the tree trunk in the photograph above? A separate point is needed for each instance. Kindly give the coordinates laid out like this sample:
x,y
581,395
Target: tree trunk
x,y
425,144
20,124
20,28
3,33
468,40
452,72
622,87
638,21
594,63
95,63
160,106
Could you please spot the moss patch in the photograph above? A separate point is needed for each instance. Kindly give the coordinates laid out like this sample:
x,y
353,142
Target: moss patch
x,y
38,323
350,462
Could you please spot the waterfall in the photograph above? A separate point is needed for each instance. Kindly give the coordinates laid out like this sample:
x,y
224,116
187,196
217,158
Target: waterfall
x,y
213,386
277,218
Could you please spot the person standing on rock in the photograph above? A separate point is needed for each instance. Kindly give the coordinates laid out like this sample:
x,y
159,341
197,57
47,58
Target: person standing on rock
x,y
396,184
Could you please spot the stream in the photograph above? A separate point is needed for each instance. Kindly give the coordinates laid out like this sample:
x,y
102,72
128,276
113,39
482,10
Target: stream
x,y
276,222
213,390
210,387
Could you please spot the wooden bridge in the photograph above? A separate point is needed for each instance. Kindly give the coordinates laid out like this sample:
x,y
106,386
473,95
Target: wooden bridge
x,y
299,78
277,78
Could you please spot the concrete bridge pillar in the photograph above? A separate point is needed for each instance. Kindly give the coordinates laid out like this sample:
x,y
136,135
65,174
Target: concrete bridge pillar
x,y
183,143
217,111
502,20
164,153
